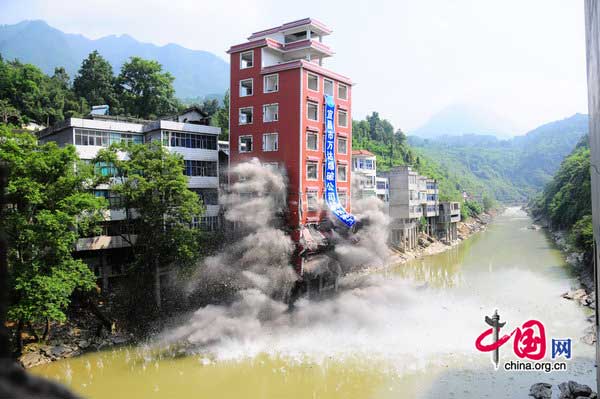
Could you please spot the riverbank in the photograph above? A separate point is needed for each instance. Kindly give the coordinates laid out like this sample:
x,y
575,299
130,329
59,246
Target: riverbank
x,y
428,246
81,333
585,293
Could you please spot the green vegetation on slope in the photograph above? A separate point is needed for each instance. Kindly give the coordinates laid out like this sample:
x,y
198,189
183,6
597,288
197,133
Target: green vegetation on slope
x,y
566,199
391,149
509,170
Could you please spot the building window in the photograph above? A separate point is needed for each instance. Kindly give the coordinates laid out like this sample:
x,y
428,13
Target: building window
x,y
247,59
189,140
312,141
313,82
328,87
270,142
342,118
271,83
312,111
343,198
102,138
246,87
200,168
245,116
341,173
312,171
312,200
342,145
342,91
209,196
270,113
245,144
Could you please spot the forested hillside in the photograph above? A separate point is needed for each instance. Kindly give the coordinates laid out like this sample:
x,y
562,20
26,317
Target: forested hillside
x,y
197,73
566,199
510,170
392,149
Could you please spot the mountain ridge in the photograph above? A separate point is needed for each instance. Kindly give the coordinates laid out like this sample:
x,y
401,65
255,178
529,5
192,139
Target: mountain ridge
x,y
197,73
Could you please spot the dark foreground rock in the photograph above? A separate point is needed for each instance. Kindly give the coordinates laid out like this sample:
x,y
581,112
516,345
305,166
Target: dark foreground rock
x,y
541,390
17,383
568,390
573,390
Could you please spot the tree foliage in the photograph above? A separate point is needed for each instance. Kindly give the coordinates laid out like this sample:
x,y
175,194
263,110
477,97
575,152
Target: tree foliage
x,y
566,200
159,205
48,206
96,83
392,149
146,91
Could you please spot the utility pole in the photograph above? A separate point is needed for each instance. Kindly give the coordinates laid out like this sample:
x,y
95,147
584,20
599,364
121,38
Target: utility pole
x,y
592,36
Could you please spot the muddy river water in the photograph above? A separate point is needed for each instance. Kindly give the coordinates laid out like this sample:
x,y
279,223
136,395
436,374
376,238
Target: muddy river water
x,y
407,332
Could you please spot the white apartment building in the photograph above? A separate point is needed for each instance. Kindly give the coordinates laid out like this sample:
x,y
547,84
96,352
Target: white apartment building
x,y
185,134
364,170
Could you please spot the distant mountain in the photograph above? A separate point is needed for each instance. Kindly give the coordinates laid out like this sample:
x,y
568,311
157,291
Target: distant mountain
x,y
461,119
512,169
197,73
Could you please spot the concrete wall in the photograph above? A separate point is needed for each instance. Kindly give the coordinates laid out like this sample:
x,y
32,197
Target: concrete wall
x,y
592,32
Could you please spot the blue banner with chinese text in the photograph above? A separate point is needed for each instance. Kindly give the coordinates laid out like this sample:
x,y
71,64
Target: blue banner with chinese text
x,y
331,194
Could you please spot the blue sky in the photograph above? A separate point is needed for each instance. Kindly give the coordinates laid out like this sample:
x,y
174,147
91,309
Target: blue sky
x,y
523,60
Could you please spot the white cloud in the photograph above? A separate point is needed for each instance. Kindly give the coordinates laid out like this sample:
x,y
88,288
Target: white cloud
x,y
525,60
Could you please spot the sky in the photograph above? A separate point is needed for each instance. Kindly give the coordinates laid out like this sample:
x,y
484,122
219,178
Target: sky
x,y
522,60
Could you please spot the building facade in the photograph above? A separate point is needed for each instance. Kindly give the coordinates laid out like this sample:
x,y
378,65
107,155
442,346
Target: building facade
x,y
414,207
278,88
364,168
196,142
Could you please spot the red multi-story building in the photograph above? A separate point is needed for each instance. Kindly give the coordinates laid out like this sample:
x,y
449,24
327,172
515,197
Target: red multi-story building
x,y
278,84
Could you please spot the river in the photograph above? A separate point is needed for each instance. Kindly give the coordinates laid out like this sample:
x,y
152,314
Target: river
x,y
406,332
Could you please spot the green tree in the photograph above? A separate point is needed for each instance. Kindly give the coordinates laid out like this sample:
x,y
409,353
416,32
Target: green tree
x,y
146,91
488,202
221,118
49,205
8,113
95,82
153,188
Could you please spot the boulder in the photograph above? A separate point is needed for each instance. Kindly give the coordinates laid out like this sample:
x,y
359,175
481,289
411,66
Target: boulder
x,y
574,390
575,295
579,389
541,390
32,359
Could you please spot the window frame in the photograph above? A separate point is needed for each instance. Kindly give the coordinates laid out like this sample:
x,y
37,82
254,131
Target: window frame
x,y
339,119
343,194
314,194
240,143
338,145
312,163
341,165
240,87
340,85
265,83
240,114
264,112
276,142
317,140
242,61
308,75
316,104
325,80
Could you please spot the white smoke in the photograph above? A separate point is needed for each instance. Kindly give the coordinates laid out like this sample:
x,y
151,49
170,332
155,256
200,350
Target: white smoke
x,y
255,268
259,254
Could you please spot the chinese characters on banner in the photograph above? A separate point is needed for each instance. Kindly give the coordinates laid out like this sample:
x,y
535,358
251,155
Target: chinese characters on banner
x,y
331,195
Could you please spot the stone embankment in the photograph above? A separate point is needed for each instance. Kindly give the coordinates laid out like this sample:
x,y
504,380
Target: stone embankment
x,y
430,246
72,338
